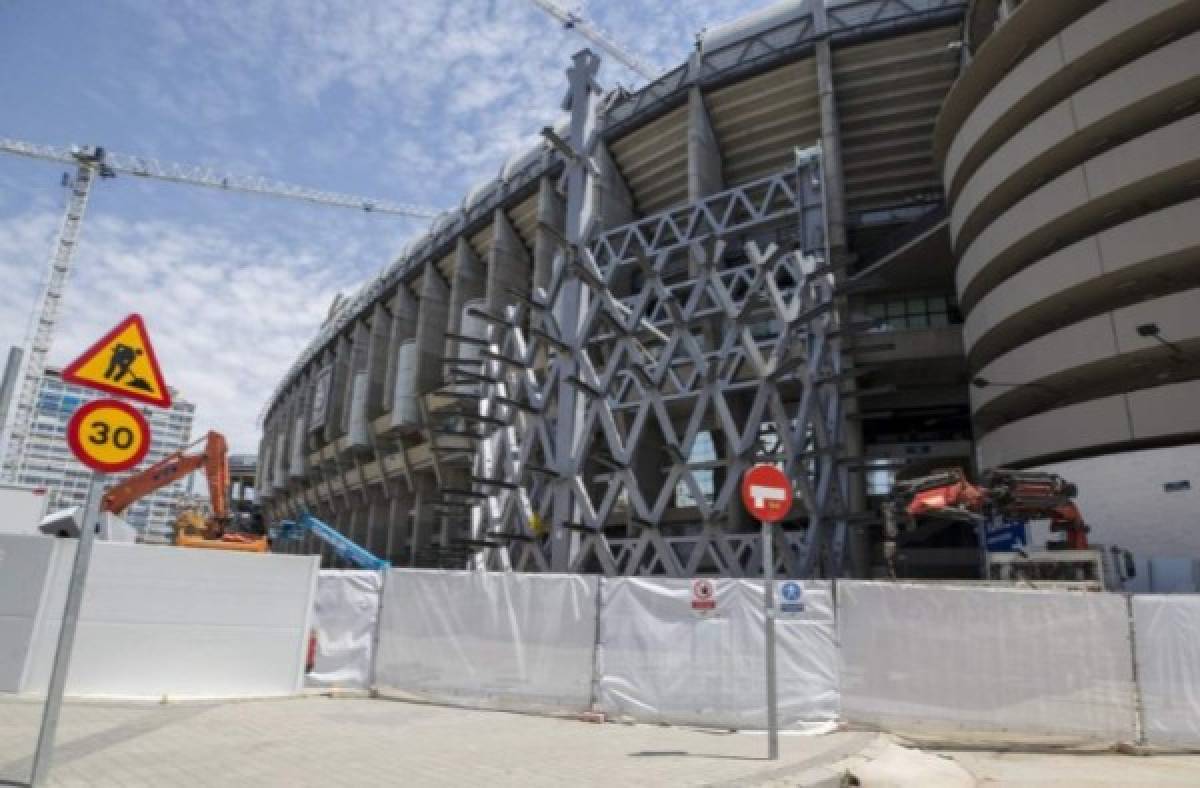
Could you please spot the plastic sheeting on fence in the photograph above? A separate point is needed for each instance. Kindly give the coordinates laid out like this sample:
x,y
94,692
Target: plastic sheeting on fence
x,y
943,659
166,621
661,661
496,640
344,616
1167,640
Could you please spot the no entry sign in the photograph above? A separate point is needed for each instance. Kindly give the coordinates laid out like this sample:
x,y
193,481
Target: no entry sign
x,y
767,493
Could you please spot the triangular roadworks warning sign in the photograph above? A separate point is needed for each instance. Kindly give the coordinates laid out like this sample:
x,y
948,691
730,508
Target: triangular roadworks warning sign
x,y
122,363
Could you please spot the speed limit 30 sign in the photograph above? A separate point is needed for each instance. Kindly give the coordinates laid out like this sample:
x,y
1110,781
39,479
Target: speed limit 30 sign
x,y
108,435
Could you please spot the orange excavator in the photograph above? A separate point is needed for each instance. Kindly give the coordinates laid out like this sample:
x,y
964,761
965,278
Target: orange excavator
x,y
192,529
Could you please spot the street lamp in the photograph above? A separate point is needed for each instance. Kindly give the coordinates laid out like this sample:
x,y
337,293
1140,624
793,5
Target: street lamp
x,y
1152,330
983,383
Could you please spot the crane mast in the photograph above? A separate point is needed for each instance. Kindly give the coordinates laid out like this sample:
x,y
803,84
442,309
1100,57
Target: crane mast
x,y
573,20
40,333
92,163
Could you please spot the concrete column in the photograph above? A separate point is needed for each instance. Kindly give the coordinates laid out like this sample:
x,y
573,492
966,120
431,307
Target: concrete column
x,y
705,175
354,411
469,283
835,203
612,198
337,389
509,266
398,527
455,526
404,308
550,227
831,140
375,533
424,518
431,330
377,360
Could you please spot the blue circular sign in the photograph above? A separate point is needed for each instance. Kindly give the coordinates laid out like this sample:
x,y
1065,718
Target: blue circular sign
x,y
790,591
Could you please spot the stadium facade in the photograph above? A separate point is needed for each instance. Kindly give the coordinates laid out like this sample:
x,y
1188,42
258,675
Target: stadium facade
x,y
1003,189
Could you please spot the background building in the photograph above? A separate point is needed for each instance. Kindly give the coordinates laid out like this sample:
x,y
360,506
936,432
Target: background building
x,y
47,460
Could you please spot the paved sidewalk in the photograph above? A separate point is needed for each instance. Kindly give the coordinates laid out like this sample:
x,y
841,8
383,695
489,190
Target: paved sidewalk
x,y
1077,770
324,741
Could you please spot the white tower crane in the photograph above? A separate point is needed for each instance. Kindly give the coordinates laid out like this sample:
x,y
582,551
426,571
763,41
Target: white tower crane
x,y
92,163
573,20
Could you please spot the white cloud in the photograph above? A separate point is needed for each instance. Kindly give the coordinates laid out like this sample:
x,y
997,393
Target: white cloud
x,y
414,100
227,316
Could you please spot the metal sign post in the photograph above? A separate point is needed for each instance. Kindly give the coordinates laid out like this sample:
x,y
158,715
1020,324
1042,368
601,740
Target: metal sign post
x,y
767,495
66,637
769,623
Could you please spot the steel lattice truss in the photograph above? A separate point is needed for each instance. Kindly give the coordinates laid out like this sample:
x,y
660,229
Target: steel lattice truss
x,y
679,335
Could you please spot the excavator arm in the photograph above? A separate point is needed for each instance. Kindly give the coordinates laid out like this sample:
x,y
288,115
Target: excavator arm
x,y
212,459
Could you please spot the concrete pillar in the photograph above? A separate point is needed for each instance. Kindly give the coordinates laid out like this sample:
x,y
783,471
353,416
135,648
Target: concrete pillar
x,y
455,526
705,175
612,199
340,361
424,517
509,266
831,140
550,227
835,204
377,360
354,411
375,534
469,283
397,537
404,308
431,330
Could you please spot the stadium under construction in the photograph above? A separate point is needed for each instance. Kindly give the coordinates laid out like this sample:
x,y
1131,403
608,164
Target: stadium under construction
x,y
862,239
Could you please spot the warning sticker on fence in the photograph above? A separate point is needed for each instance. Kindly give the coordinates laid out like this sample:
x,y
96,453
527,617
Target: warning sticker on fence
x,y
704,598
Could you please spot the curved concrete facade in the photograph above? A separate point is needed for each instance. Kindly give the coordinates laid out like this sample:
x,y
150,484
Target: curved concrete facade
x,y
1073,175
359,430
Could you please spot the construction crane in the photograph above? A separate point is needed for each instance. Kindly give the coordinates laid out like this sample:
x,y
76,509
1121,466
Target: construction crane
x,y
573,20
91,163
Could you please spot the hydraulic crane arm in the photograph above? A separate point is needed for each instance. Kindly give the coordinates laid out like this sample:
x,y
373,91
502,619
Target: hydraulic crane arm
x,y
342,546
213,460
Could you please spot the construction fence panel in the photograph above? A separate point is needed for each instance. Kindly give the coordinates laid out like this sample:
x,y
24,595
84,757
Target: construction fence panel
x,y
494,640
345,613
24,565
659,660
180,623
944,660
1167,649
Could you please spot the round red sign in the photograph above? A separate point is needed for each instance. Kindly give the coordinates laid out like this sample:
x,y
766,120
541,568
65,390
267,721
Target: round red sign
x,y
108,435
767,493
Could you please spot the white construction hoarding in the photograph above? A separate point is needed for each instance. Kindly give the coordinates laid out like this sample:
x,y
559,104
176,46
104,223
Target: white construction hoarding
x,y
345,614
944,660
495,640
661,660
178,623
1168,664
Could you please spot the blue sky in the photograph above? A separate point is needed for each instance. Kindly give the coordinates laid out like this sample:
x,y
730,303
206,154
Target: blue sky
x,y
411,100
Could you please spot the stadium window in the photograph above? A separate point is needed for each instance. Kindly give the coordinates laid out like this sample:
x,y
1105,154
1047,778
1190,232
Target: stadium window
x,y
913,313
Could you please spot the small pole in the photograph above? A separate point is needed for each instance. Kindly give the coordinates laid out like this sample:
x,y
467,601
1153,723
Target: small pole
x,y
66,636
768,554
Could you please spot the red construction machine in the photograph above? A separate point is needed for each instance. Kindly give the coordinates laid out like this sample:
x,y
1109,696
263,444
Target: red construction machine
x,y
988,523
192,528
